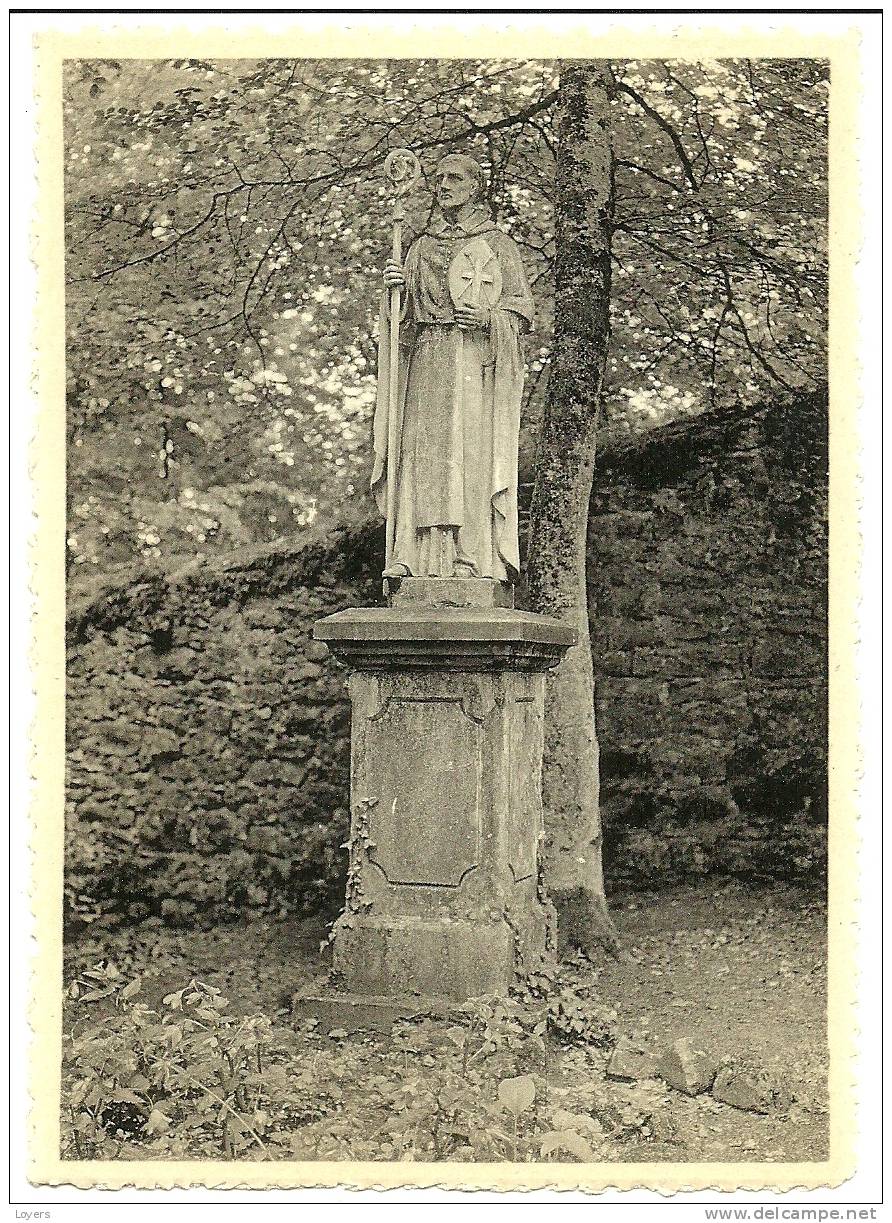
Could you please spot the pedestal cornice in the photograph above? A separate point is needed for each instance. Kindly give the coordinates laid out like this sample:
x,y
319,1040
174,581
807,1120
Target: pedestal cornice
x,y
445,638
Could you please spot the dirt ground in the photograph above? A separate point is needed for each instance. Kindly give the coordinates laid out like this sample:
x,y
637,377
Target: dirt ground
x,y
743,971
740,969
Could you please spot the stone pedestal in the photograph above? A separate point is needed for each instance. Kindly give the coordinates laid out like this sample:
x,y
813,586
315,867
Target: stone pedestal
x,y
443,895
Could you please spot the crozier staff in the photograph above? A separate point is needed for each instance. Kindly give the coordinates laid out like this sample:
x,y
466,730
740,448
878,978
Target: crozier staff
x,y
448,417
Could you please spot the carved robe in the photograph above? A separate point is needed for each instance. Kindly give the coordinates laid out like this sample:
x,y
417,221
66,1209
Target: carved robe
x,y
458,413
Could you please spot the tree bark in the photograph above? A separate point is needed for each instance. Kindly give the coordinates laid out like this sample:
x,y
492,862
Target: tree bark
x,y
556,565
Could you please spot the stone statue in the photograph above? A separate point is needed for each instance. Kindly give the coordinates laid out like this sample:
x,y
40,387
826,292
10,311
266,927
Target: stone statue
x,y
451,412
447,682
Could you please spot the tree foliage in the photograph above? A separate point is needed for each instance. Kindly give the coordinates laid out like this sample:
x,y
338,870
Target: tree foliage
x,y
227,221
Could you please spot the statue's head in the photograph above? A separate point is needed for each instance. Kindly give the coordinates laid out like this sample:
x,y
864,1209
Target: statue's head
x,y
459,180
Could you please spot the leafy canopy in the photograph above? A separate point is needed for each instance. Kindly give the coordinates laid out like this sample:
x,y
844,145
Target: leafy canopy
x,y
227,222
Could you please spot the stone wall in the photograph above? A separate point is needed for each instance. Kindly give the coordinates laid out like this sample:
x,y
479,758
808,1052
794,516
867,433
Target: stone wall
x,y
708,595
208,735
208,738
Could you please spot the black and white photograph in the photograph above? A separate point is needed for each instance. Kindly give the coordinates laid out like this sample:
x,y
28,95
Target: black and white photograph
x,y
448,630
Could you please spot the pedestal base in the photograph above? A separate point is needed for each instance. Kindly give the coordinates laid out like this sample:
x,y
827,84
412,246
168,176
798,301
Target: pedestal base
x,y
443,893
389,953
450,592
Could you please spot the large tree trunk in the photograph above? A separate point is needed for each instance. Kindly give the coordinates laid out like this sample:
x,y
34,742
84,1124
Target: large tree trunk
x,y
556,567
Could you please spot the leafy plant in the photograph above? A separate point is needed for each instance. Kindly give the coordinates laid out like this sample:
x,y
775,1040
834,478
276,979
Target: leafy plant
x,y
573,1014
187,1079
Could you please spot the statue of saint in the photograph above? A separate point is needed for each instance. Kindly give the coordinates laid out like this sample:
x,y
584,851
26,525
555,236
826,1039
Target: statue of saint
x,y
466,302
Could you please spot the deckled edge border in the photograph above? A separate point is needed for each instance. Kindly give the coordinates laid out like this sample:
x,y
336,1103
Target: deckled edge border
x,y
48,475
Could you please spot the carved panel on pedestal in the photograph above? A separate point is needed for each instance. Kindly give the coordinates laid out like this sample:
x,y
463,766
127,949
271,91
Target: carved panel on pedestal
x,y
423,760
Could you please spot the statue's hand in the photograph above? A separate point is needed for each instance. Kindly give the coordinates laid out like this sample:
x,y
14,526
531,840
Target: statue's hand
x,y
473,316
393,276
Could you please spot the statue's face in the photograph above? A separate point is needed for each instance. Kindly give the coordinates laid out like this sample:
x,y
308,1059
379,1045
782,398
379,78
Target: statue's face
x,y
455,186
